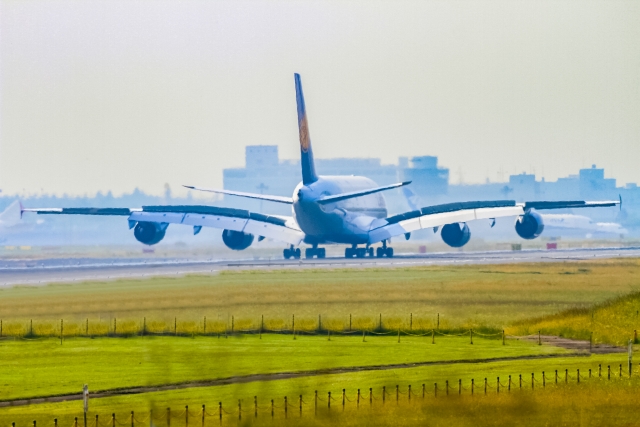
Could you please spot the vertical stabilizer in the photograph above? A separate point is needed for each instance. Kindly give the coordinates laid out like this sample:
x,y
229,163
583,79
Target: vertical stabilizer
x,y
306,153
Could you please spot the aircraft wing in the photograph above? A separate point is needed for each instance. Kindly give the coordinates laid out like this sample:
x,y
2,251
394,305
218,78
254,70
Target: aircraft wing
x,y
439,215
266,197
281,228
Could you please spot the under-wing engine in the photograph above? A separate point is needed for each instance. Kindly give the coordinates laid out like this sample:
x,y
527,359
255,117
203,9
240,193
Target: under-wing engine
x,y
237,240
456,235
150,233
530,225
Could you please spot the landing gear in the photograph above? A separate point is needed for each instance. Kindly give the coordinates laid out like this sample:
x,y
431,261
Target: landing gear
x,y
384,251
357,252
292,253
315,251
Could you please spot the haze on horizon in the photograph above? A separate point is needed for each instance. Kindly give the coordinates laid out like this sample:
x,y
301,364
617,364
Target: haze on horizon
x,y
114,95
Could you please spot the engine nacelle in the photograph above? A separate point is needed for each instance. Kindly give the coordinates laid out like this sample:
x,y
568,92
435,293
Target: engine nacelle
x,y
237,240
530,225
456,235
149,233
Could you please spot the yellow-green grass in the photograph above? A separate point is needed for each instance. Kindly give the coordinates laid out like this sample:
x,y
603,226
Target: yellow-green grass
x,y
464,296
598,397
613,321
47,368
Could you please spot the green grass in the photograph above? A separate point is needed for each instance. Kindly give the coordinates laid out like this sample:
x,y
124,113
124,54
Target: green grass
x,y
107,363
464,296
613,321
612,396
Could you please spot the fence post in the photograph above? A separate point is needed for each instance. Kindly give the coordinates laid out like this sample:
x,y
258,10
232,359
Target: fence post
x,y
315,404
433,336
503,337
240,410
539,339
55,423
459,386
544,383
556,376
204,412
370,396
75,423
363,338
131,418
532,380
186,415
485,386
446,387
509,386
472,384
271,408
97,424
423,391
409,391
301,405
620,375
358,399
384,394
113,420
255,406
498,385
589,372
435,389
578,376
343,396
471,335
329,401
220,411
566,376
520,378
168,417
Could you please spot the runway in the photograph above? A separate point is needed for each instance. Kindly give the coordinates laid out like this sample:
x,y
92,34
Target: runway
x,y
57,270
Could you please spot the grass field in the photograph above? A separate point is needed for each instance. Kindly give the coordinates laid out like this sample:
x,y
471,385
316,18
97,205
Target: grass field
x,y
615,392
115,363
566,299
465,296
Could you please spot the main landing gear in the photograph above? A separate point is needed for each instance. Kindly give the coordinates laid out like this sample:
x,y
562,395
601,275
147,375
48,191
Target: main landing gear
x,y
357,252
315,251
384,250
292,253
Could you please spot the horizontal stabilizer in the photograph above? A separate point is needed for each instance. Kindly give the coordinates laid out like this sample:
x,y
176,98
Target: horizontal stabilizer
x,y
344,196
277,199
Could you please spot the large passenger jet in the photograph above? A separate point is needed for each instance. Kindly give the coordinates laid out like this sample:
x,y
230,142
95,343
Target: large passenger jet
x,y
347,210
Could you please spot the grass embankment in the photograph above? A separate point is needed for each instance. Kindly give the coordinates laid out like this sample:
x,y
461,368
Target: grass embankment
x,y
608,400
108,364
613,322
465,297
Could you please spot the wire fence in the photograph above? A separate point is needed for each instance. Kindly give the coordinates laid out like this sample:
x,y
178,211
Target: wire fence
x,y
115,327
299,406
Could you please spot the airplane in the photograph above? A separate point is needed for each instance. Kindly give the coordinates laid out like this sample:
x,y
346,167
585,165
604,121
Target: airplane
x,y
327,210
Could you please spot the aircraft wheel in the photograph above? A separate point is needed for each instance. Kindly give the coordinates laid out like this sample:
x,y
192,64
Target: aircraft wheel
x,y
286,253
389,253
370,252
379,252
322,253
349,253
361,252
297,253
309,253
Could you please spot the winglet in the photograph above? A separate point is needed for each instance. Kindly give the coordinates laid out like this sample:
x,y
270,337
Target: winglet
x,y
620,197
306,152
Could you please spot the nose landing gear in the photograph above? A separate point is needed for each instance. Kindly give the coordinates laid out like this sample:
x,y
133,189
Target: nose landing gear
x,y
292,253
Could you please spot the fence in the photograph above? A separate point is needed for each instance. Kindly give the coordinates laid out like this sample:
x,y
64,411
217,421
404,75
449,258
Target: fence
x,y
300,405
115,327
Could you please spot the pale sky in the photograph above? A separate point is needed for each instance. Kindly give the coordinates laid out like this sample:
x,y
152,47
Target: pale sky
x,y
113,95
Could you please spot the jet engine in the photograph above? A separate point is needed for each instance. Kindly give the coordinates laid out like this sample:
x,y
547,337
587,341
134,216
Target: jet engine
x,y
149,233
237,240
456,235
530,225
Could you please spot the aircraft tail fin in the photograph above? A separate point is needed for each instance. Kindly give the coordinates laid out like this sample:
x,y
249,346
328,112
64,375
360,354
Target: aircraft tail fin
x,y
306,153
11,215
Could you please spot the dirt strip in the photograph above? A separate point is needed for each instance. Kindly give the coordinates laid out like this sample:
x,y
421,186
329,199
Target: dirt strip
x,y
270,377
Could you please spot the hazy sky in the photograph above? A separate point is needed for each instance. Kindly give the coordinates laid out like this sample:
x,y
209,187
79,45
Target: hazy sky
x,y
109,95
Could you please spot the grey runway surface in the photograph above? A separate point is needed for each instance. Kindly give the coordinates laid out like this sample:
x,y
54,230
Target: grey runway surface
x,y
44,271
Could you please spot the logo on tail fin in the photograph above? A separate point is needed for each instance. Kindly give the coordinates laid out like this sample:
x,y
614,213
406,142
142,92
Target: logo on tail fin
x,y
304,134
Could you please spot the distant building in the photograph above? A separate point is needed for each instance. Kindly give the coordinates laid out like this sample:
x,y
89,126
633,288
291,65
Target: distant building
x,y
427,179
